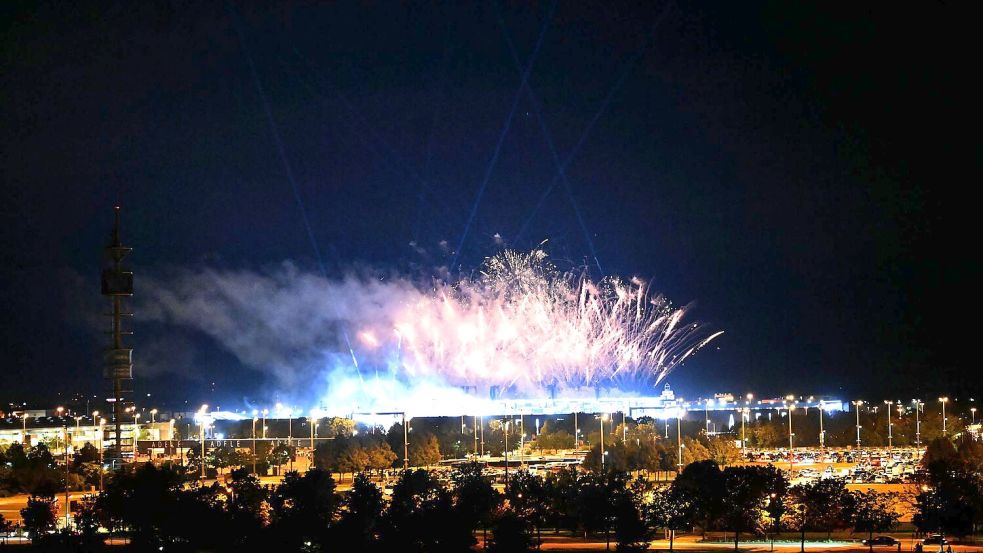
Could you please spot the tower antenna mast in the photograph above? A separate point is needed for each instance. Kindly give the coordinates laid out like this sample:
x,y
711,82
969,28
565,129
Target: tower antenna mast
x,y
117,284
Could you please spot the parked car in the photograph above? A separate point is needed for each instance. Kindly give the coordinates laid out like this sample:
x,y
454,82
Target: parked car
x,y
935,539
881,540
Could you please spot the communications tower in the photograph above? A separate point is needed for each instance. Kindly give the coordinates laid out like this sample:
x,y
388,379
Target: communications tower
x,y
117,284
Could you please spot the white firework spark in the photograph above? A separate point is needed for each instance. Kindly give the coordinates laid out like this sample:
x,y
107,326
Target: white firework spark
x,y
521,324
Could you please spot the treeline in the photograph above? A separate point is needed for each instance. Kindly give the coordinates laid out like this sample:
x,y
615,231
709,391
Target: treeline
x,y
165,507
23,470
769,429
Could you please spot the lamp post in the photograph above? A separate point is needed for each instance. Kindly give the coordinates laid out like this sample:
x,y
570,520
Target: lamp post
x,y
67,527
136,433
406,445
474,421
265,411
972,411
102,426
505,431
857,404
201,429
313,423
679,439
576,432
78,430
624,428
918,422
24,428
822,433
791,450
604,416
254,445
890,435
706,415
744,416
943,401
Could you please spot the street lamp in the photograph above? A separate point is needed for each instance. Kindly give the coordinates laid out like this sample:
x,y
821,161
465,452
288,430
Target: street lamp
x,y
102,425
78,429
201,426
706,414
254,443
857,404
576,432
972,411
791,449
822,433
602,419
265,411
890,436
918,422
679,438
745,413
943,401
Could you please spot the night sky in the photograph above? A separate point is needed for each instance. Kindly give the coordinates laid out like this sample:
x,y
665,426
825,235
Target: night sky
x,y
803,174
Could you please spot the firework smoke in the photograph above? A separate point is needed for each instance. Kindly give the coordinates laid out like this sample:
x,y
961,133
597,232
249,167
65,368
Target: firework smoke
x,y
519,326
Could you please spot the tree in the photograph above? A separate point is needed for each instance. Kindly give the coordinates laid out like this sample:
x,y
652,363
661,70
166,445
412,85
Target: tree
x,y
747,491
474,495
303,508
424,450
563,490
670,509
723,450
248,498
821,506
145,499
873,512
631,529
356,529
353,458
381,456
694,451
87,523
39,515
422,518
510,534
6,527
225,456
702,482
527,498
553,441
85,454
278,456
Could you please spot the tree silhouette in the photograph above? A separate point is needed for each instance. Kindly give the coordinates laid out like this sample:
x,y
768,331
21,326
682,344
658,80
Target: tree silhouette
x,y
747,491
671,508
703,483
39,515
631,522
474,496
527,498
422,518
357,529
303,508
821,505
510,534
873,512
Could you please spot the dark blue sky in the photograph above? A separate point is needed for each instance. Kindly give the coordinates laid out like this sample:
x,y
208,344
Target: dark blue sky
x,y
796,171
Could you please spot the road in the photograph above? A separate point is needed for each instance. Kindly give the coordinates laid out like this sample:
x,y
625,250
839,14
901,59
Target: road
x,y
10,506
693,543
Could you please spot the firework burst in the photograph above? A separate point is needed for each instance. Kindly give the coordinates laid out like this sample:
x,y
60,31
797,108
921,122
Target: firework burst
x,y
521,324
